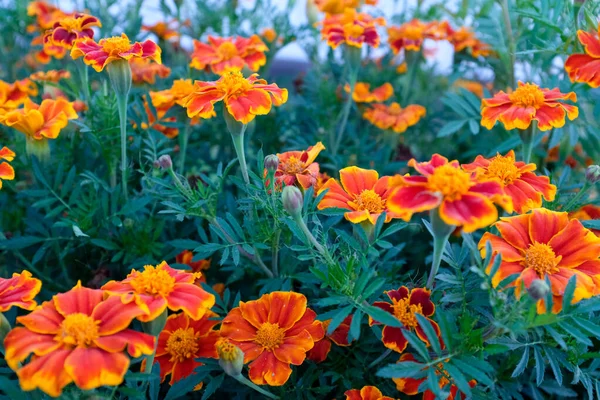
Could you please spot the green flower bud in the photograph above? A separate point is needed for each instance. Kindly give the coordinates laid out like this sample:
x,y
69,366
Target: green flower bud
x,y
271,163
119,73
292,200
231,357
592,173
538,289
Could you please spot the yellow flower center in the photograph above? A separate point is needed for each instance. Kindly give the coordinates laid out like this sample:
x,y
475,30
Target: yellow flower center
x,y
71,24
182,344
406,312
227,50
370,201
269,336
153,281
78,330
233,83
413,32
451,182
293,166
116,45
542,259
182,88
528,95
226,350
354,30
394,109
503,168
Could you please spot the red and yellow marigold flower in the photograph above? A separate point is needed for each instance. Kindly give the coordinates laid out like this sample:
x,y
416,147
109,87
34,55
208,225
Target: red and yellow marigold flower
x,y
162,30
161,287
46,15
366,393
352,28
528,102
52,75
362,192
69,29
339,336
244,98
143,70
362,92
410,35
49,50
404,306
76,337
7,172
180,89
99,55
13,95
587,213
273,332
21,289
461,199
182,341
543,244
298,167
586,67
525,188
393,116
222,54
464,38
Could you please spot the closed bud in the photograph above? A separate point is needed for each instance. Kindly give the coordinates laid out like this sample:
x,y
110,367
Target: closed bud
x,y
164,162
231,357
592,173
292,200
538,289
271,163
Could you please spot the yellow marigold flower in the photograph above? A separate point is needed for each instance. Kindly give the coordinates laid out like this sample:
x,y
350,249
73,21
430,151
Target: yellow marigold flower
x,y
162,30
269,34
472,86
585,67
393,116
352,28
7,172
363,94
464,38
66,31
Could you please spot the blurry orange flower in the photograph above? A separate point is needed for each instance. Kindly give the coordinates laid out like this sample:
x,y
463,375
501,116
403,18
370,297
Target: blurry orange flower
x,y
410,35
144,70
182,341
462,200
586,67
162,30
46,15
298,167
100,54
274,331
7,172
52,75
222,54
13,95
352,28
76,337
336,6
339,336
322,179
404,306
186,257
402,68
155,121
180,89
161,287
49,50
543,244
69,29
528,102
362,93
244,98
366,393
517,179
393,116
21,289
472,86
464,38
362,192
586,213
269,34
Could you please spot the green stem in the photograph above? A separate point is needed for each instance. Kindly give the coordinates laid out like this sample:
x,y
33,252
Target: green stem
x,y
154,328
238,144
337,140
322,250
184,142
511,42
527,139
122,107
243,380
380,358
577,196
275,254
441,233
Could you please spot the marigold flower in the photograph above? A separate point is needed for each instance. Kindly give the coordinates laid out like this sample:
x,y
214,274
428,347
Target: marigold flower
x,y
180,89
7,172
298,167
186,257
161,287
528,102
462,199
269,34
21,289
154,120
586,67
339,336
322,179
464,38
144,70
472,86
273,332
162,30
586,213
366,393
352,28
544,244
393,116
517,179
52,75
49,50
402,68
405,305
362,92
362,192
410,35
46,15
13,95
222,54
100,54
182,341
69,29
76,337
335,6
244,98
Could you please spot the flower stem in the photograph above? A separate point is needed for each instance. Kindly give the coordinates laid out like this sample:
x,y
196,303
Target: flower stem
x,y
527,139
337,140
83,73
122,106
154,328
380,358
242,379
577,196
322,250
238,144
441,232
184,142
511,42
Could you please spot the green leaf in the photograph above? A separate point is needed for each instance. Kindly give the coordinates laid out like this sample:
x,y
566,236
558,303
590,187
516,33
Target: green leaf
x,y
568,294
404,369
540,366
459,379
105,244
20,242
451,127
381,316
520,368
212,386
184,244
354,333
551,357
576,333
470,368
417,344
432,337
339,318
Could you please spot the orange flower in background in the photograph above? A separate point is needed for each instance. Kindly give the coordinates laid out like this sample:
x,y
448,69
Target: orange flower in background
x,y
543,244
362,92
222,54
362,192
586,67
21,289
366,393
162,30
46,15
99,55
472,86
339,336
352,28
460,198
528,102
7,172
525,188
322,179
402,68
180,89
182,341
269,34
298,167
155,120
49,50
69,29
13,95
336,6
464,38
76,337
408,36
186,257
52,75
244,98
587,213
143,70
393,116
404,306
273,332
161,287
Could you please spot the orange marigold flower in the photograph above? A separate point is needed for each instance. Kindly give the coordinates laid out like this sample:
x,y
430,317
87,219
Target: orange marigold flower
x,y
7,172
402,68
366,393
517,179
587,213
362,92
586,67
66,31
339,336
186,257
155,120
100,54
405,305
410,35
143,70
53,75
222,54
322,179
273,332
298,167
180,89
182,341
472,86
543,244
352,28
464,38
13,95
49,50
462,199
528,102
244,98
76,337
269,34
393,116
161,287
335,6
46,15
162,30
21,289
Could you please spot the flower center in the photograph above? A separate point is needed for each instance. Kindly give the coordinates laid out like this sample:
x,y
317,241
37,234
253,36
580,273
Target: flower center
x,y
354,30
406,312
394,109
182,88
182,344
233,83
450,181
413,32
71,24
503,168
227,351
370,201
153,281
528,95
227,50
116,45
79,330
293,166
542,259
269,336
